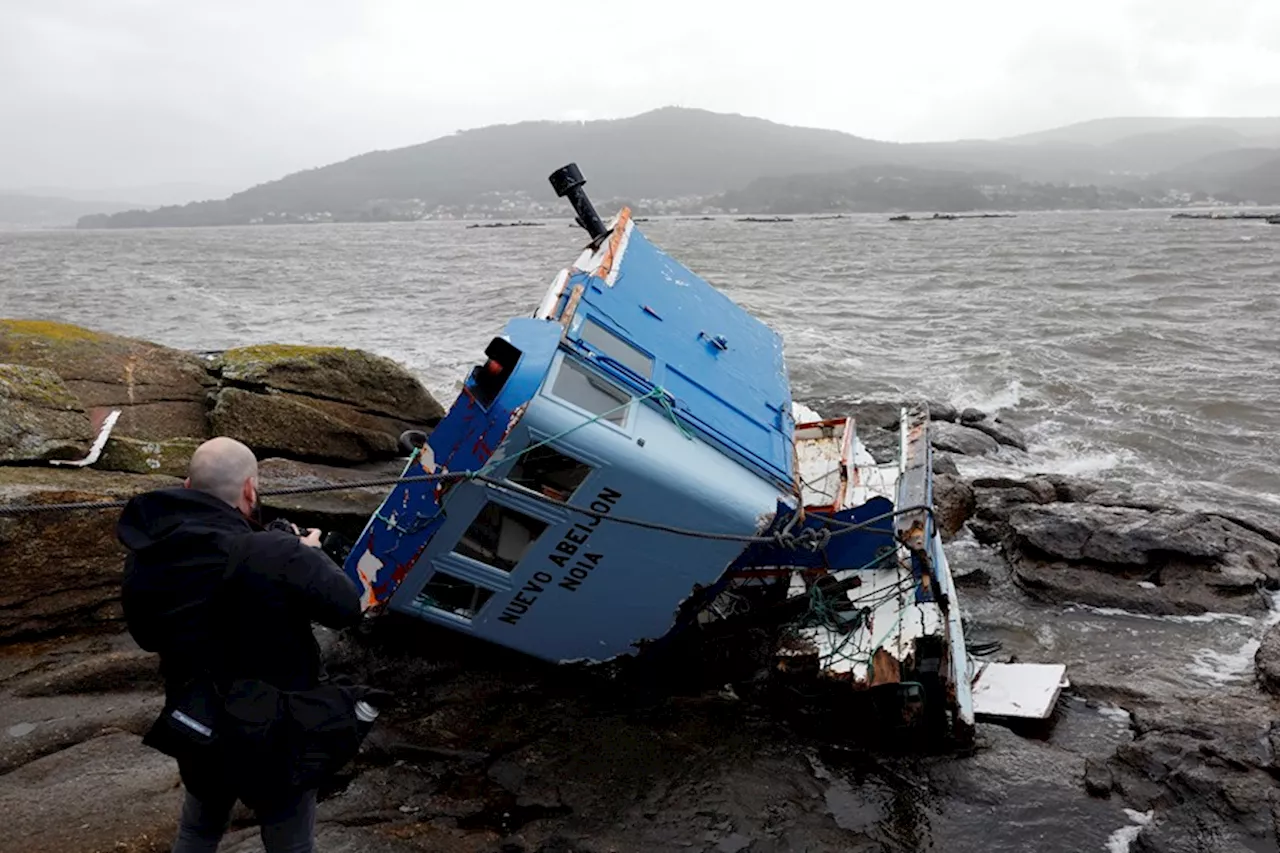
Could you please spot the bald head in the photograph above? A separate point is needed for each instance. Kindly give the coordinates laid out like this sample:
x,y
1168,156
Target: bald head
x,y
226,469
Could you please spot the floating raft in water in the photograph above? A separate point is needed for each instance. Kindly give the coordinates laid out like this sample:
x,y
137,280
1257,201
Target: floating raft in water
x,y
507,225
1272,218
948,217
626,470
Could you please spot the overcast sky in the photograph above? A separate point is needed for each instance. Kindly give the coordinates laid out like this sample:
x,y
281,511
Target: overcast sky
x,y
121,93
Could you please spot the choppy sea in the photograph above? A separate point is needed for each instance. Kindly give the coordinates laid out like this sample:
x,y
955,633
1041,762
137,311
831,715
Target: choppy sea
x,y
1129,346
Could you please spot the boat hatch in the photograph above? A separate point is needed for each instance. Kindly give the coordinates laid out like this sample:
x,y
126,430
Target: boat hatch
x,y
1018,690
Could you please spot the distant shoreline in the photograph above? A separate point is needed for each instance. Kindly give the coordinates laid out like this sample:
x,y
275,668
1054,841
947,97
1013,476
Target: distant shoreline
x,y
1241,213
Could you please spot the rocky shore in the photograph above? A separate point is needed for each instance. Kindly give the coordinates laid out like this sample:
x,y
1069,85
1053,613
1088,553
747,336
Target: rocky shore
x,y
487,751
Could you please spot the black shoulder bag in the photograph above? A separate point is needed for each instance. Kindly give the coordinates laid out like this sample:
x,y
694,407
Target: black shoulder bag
x,y
191,725
268,743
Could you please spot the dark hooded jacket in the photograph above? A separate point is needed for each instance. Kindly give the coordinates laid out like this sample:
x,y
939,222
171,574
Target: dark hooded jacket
x,y
256,624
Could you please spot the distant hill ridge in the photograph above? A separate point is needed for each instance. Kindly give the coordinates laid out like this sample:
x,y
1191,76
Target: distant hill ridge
x,y
38,211
674,153
1106,131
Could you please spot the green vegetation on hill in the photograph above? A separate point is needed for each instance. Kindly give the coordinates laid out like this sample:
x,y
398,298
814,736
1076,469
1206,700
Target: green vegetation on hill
x,y
1260,183
883,189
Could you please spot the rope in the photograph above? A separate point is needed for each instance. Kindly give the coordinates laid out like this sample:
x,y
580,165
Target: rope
x,y
810,539
28,509
845,527
984,649
824,614
787,541
671,412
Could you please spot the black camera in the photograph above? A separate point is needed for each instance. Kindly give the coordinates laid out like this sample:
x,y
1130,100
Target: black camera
x,y
284,525
336,546
332,543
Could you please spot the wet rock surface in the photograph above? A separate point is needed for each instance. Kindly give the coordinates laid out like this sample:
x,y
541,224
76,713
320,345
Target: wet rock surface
x,y
1267,660
107,793
945,463
954,502
490,752
1002,432
968,441
1097,778
967,433
1166,740
1067,542
60,572
1207,772
73,772
884,414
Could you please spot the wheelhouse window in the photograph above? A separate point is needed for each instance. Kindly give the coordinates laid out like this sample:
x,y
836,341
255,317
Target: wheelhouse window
x,y
454,595
616,348
577,386
499,537
549,473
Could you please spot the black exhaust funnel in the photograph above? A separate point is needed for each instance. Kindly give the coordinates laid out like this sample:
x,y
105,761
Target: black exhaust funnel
x,y
568,181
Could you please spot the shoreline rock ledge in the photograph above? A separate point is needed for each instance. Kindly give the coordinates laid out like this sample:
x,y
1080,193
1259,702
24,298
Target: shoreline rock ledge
x,y
1069,541
314,415
491,752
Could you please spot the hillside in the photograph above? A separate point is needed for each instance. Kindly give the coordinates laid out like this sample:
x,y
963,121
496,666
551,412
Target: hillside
x,y
1214,168
901,189
1107,131
1260,184
666,153
672,160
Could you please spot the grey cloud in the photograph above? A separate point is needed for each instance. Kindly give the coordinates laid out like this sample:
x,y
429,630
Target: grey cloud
x,y
132,92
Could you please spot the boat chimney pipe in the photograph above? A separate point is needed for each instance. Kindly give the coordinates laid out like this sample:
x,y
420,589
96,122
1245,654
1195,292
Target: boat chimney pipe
x,y
568,181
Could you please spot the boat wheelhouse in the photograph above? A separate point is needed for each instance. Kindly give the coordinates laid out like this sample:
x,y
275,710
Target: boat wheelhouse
x,y
626,464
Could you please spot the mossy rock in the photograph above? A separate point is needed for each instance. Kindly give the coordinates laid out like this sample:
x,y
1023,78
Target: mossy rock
x,y
276,424
36,385
372,383
170,458
39,417
52,332
103,369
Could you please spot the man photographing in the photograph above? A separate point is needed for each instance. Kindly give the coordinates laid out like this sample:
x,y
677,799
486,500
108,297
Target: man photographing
x,y
229,609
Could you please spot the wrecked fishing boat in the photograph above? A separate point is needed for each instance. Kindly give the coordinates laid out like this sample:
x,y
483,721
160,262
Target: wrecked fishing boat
x,y
626,467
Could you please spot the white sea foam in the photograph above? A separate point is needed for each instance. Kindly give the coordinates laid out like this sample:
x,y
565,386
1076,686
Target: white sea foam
x,y
1189,619
1123,838
1114,712
1235,666
1007,397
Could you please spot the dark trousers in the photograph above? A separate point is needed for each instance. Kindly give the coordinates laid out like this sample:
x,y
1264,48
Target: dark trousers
x,y
288,828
